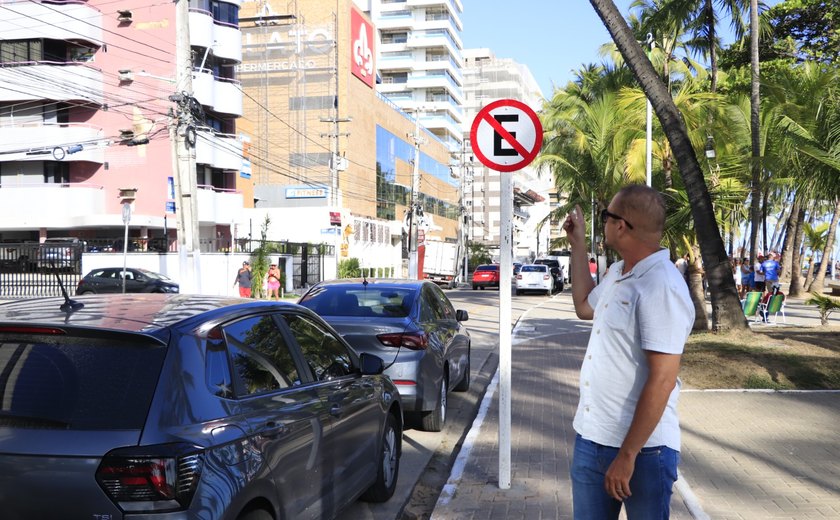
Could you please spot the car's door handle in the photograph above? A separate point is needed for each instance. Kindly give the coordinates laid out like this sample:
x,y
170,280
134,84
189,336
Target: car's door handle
x,y
273,429
335,410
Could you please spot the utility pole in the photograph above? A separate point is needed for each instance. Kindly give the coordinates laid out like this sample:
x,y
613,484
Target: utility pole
x,y
414,213
337,163
183,135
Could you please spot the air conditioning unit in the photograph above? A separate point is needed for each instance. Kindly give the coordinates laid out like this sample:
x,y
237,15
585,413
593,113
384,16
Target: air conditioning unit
x,y
126,133
124,16
126,75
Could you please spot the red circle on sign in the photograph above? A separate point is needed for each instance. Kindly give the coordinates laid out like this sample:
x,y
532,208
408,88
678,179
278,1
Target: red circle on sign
x,y
481,148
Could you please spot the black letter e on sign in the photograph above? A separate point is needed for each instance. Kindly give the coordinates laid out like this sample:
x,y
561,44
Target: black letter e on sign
x,y
498,151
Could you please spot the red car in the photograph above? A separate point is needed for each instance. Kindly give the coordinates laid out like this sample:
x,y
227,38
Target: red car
x,y
486,276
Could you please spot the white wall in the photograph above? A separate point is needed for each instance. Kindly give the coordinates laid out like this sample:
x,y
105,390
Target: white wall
x,y
217,270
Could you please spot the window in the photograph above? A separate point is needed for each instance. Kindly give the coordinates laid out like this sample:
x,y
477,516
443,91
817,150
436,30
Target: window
x,y
261,359
217,370
430,306
76,383
326,355
20,51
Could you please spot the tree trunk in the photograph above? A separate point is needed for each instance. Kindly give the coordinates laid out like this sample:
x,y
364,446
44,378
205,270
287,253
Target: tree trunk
x,y
696,291
726,306
755,133
795,290
710,27
819,279
789,242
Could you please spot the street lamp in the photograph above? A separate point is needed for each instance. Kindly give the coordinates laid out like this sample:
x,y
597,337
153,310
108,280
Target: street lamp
x,y
649,128
710,147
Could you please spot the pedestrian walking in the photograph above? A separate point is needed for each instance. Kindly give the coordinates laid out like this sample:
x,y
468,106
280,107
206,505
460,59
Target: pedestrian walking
x,y
243,279
628,437
273,282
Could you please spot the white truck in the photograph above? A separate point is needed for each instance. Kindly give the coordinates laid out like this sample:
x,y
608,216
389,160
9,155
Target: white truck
x,y
440,265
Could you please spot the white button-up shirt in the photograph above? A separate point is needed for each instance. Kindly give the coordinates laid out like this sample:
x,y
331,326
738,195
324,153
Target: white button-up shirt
x,y
648,308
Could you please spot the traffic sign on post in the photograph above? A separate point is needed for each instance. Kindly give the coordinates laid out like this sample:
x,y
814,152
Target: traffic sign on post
x,y
506,135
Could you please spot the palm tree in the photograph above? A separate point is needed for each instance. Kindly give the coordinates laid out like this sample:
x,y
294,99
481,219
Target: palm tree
x,y
817,236
726,305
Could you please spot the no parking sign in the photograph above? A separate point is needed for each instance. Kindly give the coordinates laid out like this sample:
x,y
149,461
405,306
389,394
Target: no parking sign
x,y
506,135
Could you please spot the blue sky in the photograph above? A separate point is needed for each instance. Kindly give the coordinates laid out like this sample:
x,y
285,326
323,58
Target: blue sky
x,y
551,37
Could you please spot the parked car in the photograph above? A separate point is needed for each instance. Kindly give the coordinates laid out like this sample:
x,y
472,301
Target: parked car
x,y
486,276
60,253
556,269
516,267
183,406
412,325
110,280
535,277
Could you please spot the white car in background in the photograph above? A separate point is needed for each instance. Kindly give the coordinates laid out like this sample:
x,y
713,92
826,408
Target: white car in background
x,y
534,277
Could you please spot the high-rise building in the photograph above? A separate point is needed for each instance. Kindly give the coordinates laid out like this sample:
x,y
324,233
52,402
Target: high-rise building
x,y
488,78
419,61
86,104
334,160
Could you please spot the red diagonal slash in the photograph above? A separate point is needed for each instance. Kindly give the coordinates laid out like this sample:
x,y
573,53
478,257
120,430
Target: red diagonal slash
x,y
507,136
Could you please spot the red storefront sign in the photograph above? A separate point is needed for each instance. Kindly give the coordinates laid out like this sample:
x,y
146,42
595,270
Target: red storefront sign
x,y
363,47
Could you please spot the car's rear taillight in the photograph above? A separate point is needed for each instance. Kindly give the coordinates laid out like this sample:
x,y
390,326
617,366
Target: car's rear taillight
x,y
411,341
141,482
546,276
519,277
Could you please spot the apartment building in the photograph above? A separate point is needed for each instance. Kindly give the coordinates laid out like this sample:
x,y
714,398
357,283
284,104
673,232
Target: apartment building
x,y
86,109
488,78
419,61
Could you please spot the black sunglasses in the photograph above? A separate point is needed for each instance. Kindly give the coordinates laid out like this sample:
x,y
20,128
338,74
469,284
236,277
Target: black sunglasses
x,y
606,214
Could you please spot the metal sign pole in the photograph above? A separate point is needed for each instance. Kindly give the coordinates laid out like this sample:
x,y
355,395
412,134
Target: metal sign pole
x,y
506,267
506,136
126,215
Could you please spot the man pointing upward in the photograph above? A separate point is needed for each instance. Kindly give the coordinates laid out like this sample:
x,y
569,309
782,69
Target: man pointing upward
x,y
628,437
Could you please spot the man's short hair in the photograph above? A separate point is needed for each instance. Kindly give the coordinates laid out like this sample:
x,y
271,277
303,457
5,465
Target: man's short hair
x,y
643,201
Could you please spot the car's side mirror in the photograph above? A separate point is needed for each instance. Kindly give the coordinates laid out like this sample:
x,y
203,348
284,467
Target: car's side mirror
x,y
462,315
370,365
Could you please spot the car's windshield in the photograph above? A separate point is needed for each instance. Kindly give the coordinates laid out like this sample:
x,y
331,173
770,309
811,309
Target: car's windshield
x,y
153,275
352,300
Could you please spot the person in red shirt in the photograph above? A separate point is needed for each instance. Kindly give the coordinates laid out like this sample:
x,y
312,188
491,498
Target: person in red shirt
x,y
593,269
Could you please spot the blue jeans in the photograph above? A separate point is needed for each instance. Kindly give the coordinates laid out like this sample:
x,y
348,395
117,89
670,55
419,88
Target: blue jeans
x,y
651,484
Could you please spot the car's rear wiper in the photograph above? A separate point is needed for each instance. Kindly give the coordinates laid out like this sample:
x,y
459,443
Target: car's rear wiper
x,y
28,421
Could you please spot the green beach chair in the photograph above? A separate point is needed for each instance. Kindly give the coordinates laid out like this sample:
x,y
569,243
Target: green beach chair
x,y
751,304
774,306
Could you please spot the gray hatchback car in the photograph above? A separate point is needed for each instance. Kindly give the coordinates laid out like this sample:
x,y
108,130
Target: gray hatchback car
x,y
178,406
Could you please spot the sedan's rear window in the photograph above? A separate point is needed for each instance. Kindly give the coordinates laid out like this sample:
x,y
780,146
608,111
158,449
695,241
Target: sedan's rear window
x,y
381,302
533,269
487,268
76,383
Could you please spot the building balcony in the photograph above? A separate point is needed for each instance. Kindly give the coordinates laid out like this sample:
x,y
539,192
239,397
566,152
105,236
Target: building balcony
x,y
221,94
395,61
49,80
74,21
446,24
401,19
222,151
224,39
217,206
32,206
441,39
441,122
52,142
